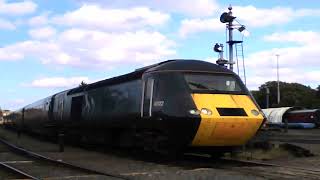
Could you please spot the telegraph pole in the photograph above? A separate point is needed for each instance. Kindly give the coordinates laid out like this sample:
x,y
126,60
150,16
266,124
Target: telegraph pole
x,y
278,78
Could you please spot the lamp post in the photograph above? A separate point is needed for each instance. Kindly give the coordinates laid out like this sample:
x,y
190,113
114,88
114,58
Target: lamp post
x,y
278,98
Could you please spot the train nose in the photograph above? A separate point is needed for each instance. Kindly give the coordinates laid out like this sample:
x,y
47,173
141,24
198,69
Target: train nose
x,y
234,120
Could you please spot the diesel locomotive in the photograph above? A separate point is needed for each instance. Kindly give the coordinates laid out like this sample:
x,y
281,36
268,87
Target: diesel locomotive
x,y
172,105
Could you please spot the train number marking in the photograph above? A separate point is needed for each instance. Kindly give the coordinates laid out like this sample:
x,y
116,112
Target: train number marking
x,y
158,103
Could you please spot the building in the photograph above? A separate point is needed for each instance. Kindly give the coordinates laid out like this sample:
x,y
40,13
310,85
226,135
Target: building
x,y
292,117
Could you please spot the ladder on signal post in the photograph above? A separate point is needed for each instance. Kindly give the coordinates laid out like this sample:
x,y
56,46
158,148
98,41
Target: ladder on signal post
x,y
239,55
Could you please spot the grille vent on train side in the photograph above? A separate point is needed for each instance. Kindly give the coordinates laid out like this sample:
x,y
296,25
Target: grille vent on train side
x,y
232,112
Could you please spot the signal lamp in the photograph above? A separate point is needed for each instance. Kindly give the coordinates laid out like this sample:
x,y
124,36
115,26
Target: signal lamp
x,y
226,17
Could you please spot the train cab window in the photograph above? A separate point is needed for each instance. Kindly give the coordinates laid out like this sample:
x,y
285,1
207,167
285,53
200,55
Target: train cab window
x,y
148,95
213,82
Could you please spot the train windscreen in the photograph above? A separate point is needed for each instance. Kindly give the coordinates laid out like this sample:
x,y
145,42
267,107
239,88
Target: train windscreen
x,y
213,82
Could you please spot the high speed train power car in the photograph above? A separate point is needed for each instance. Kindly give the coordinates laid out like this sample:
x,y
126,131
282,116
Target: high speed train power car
x,y
173,105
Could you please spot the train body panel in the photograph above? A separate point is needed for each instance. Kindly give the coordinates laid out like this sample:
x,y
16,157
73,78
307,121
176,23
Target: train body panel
x,y
113,104
35,115
166,106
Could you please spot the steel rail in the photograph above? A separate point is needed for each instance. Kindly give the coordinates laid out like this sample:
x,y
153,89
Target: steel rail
x,y
257,163
20,172
63,163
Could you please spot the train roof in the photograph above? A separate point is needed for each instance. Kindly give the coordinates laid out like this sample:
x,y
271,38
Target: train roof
x,y
189,65
169,65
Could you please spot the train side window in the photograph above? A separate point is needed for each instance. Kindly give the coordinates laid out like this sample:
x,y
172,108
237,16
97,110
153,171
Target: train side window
x,y
148,95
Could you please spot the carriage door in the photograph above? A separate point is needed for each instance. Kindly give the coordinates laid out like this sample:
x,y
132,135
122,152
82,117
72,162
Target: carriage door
x,y
147,98
76,108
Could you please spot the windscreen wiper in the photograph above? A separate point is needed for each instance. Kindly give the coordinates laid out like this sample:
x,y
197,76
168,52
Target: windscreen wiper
x,y
200,86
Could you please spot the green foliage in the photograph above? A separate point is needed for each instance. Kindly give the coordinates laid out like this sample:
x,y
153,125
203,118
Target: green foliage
x,y
292,94
318,91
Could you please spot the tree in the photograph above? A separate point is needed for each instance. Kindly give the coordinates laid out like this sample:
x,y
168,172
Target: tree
x,y
318,91
1,114
292,94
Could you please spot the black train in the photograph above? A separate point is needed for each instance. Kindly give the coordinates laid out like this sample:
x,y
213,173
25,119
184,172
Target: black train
x,y
173,105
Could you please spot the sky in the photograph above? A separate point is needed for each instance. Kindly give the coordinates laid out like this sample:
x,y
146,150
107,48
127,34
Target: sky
x,y
48,46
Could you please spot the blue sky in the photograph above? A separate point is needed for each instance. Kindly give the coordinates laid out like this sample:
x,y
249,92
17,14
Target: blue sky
x,y
49,46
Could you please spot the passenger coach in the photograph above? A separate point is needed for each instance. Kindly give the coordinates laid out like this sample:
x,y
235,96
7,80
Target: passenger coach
x,y
173,105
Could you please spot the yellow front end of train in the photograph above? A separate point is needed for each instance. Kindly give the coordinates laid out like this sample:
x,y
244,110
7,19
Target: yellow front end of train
x,y
228,119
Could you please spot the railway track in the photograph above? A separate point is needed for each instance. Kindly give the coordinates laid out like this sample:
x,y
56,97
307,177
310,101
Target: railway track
x,y
19,163
194,162
259,169
10,156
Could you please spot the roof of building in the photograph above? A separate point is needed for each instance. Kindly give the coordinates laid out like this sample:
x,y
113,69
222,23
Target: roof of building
x,y
275,115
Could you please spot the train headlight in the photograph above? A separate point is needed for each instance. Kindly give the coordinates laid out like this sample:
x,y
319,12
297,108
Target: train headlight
x,y
255,112
206,111
194,112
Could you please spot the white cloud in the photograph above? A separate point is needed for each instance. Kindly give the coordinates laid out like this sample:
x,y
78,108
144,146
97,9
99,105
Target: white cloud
x,y
261,17
249,16
297,64
185,7
190,26
95,37
42,33
39,20
10,56
121,48
58,82
95,17
17,8
95,49
300,37
290,75
20,50
5,24
14,104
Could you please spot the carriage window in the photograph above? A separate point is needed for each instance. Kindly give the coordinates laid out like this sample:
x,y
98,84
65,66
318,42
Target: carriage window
x,y
213,82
